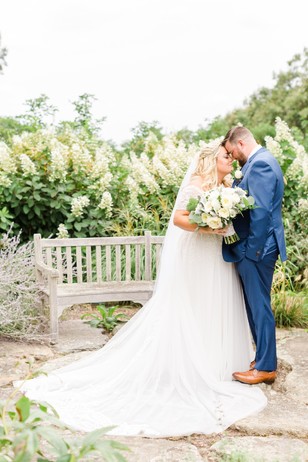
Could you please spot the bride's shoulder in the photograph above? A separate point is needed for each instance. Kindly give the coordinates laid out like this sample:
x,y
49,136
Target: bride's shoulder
x,y
196,181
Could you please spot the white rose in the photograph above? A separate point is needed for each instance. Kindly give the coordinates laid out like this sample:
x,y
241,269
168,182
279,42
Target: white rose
x,y
239,191
214,194
208,206
214,222
224,213
204,217
226,202
216,204
236,199
227,192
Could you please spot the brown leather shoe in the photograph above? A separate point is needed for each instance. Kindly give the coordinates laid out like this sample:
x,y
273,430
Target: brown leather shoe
x,y
252,364
254,376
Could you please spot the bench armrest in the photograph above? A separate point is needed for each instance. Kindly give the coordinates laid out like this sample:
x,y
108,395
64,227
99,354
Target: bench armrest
x,y
41,266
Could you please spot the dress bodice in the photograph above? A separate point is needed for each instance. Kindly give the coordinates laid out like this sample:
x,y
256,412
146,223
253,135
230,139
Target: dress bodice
x,y
185,194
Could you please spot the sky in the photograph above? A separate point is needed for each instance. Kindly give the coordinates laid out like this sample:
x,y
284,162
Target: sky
x,y
180,62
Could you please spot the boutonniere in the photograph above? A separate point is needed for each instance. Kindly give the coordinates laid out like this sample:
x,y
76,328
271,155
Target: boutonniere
x,y
238,174
237,171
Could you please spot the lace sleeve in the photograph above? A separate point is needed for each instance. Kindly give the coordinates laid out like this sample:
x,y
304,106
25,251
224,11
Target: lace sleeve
x,y
184,196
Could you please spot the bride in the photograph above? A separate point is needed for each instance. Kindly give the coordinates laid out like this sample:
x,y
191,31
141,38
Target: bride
x,y
168,371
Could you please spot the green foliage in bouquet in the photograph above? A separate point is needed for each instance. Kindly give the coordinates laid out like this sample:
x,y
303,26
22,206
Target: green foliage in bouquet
x,y
192,204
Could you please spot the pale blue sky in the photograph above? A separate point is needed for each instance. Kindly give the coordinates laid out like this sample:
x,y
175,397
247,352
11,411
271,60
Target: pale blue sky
x,y
176,61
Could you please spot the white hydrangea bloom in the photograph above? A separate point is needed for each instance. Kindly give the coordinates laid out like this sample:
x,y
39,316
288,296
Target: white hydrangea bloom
x,y
7,164
104,157
5,181
298,170
125,162
81,157
106,203
59,160
62,232
103,183
171,160
142,174
274,147
283,132
78,205
150,142
27,166
133,188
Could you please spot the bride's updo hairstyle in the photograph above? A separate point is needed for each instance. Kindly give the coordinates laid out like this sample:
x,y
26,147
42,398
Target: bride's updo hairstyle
x,y
207,165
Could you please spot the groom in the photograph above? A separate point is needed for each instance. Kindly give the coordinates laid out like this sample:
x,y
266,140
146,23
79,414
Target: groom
x,y
261,241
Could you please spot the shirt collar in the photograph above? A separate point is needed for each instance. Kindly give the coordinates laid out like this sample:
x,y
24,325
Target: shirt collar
x,y
256,149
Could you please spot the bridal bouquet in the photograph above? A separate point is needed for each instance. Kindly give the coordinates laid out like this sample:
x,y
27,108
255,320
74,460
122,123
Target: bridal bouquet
x,y
217,207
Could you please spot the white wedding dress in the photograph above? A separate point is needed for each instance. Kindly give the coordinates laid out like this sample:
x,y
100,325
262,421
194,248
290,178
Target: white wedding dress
x,y
168,371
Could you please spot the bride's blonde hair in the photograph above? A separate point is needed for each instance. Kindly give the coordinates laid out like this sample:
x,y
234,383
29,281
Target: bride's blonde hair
x,y
207,165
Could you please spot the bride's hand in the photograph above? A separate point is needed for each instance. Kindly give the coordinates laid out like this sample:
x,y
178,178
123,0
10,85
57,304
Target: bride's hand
x,y
207,230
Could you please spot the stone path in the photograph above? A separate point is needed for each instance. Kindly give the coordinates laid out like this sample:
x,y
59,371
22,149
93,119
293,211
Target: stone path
x,y
277,434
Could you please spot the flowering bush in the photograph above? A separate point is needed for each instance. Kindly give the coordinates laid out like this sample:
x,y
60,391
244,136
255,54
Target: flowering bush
x,y
58,177
294,163
48,178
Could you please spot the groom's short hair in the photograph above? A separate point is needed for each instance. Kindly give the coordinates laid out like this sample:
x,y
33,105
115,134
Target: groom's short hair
x,y
237,133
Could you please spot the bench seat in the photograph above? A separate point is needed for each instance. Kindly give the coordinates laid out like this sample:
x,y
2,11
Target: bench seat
x,y
95,270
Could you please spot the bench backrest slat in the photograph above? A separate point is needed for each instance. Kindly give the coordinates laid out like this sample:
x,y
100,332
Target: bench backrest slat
x,y
79,265
59,263
108,263
98,255
137,262
158,249
89,263
69,265
105,259
128,262
118,262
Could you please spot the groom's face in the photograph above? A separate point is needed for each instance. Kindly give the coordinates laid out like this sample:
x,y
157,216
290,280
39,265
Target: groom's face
x,y
237,151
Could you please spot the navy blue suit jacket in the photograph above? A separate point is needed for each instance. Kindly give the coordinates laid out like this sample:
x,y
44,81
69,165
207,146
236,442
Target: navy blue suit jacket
x,y
259,229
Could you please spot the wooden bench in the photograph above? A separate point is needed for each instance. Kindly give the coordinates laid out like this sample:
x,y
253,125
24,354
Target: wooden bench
x,y
95,270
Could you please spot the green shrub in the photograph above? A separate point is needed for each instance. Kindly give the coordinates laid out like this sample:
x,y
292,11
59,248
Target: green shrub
x,y
290,309
31,430
20,307
107,318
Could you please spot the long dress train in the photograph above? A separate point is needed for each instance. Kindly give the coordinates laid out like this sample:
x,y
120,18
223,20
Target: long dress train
x,y
168,371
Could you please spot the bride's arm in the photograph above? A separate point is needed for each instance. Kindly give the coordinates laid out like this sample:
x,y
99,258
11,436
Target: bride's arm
x,y
182,221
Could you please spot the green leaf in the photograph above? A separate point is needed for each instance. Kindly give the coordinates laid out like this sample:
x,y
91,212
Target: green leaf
x,y
192,204
23,456
54,440
93,436
77,226
23,408
109,451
